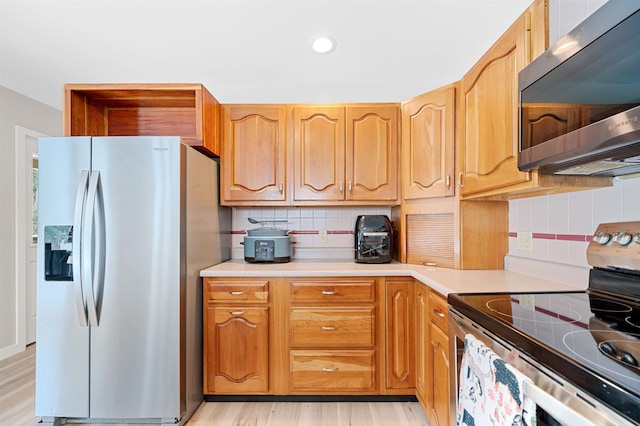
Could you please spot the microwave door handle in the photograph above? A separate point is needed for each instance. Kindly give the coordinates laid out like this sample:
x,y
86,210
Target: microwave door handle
x,y
554,407
88,265
76,251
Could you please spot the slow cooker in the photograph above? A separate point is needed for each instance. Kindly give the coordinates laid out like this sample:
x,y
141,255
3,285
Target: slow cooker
x,y
267,245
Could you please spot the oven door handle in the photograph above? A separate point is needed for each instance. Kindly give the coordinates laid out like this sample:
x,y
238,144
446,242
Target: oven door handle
x,y
555,407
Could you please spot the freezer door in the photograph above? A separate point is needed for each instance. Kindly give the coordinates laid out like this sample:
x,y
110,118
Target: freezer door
x,y
62,334
135,347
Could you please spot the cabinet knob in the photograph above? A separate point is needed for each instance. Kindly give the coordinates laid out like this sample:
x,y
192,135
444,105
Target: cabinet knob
x,y
438,313
448,181
330,370
281,187
340,185
236,293
460,183
329,328
350,187
236,312
329,292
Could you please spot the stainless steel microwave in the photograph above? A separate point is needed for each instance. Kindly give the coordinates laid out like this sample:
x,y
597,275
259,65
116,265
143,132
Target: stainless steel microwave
x,y
580,100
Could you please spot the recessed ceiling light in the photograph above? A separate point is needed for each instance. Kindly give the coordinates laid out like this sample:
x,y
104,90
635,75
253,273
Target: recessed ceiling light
x,y
323,44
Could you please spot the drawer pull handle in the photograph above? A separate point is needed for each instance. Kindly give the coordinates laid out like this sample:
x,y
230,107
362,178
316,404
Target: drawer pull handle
x,y
330,370
236,312
438,313
329,293
329,328
236,293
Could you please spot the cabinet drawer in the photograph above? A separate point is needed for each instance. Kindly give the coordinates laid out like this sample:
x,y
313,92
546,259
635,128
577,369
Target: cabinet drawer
x,y
332,291
250,291
352,327
438,311
332,371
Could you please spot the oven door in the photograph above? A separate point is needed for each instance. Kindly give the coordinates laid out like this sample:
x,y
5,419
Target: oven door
x,y
558,402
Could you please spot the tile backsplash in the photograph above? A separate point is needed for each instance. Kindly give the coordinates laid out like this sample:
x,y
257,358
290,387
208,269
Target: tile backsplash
x,y
565,15
305,224
562,224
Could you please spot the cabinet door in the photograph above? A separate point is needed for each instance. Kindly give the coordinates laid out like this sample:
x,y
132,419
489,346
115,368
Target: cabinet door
x,y
428,141
422,342
372,153
253,154
319,149
438,403
489,105
400,372
237,350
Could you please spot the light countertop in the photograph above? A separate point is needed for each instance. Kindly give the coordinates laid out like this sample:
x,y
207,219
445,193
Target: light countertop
x,y
443,280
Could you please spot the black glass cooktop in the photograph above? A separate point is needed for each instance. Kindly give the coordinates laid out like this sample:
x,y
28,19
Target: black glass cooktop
x,y
590,338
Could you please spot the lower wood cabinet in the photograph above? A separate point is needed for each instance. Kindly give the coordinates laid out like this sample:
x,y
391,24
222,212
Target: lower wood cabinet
x,y
399,345
349,371
332,336
423,373
236,337
437,359
327,336
237,349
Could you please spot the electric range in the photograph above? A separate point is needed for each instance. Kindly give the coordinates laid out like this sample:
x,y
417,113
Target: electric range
x,y
590,338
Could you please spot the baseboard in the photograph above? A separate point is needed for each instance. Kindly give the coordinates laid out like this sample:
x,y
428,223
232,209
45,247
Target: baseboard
x,y
310,398
11,350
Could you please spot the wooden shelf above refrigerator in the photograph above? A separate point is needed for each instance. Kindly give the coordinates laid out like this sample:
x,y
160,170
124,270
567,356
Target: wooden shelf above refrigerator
x,y
186,110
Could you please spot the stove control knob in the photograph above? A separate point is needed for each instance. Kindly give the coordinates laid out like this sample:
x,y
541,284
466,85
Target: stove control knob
x,y
608,348
629,359
623,238
602,238
636,237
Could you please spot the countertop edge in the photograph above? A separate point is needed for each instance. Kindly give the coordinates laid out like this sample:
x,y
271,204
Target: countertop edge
x,y
442,280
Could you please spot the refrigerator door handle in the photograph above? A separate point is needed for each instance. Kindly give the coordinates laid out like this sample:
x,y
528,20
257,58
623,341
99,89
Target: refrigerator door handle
x,y
76,252
92,248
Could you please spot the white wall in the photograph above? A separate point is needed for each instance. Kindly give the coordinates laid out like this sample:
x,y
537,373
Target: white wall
x,y
15,109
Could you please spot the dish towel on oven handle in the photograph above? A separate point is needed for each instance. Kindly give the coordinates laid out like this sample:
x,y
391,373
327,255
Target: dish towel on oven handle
x,y
491,391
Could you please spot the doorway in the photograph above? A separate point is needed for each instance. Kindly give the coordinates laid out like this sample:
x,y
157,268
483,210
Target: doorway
x,y
26,145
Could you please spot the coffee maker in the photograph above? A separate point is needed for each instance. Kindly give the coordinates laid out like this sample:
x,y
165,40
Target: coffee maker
x,y
374,239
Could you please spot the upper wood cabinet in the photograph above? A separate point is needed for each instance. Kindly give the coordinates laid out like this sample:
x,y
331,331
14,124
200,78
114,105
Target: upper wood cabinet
x,y
428,144
372,153
345,154
319,153
253,159
489,105
186,110
488,152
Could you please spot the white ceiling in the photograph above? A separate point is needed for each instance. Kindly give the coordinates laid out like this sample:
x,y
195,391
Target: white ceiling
x,y
248,51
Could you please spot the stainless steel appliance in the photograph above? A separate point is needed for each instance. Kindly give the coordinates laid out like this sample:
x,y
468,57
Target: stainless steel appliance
x,y
374,239
125,226
580,100
581,349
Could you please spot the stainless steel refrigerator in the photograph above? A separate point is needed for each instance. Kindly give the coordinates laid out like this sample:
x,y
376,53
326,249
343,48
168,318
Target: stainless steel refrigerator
x,y
125,224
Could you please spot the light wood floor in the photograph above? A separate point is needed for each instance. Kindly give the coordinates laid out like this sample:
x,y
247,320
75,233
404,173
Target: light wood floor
x,y
17,396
